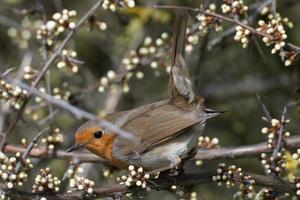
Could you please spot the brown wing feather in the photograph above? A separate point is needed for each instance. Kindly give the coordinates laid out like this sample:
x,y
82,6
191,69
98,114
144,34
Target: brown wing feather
x,y
156,123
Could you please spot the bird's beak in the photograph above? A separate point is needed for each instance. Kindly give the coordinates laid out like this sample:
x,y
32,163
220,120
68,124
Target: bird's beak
x,y
75,147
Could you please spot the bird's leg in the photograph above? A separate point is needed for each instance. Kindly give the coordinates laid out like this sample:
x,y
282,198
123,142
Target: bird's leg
x,y
177,166
174,163
168,170
191,154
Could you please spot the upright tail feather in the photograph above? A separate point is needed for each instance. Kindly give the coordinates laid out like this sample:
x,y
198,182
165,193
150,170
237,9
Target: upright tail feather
x,y
179,78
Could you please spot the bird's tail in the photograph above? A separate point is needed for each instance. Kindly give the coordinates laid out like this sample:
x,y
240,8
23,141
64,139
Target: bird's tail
x,y
180,81
210,113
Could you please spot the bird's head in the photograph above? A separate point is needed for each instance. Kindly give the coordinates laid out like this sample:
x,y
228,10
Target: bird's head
x,y
89,135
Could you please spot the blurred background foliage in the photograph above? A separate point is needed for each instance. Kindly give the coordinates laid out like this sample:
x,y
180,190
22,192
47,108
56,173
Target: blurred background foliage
x,y
228,76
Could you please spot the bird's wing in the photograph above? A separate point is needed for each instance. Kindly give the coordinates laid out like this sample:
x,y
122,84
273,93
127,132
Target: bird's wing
x,y
153,124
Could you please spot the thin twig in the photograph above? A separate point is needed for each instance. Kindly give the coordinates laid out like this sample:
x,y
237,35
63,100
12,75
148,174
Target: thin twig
x,y
256,7
45,68
202,154
79,113
228,19
28,150
161,183
279,134
264,108
274,7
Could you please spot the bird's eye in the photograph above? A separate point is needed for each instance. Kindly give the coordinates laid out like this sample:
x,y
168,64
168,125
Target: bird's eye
x,y
98,134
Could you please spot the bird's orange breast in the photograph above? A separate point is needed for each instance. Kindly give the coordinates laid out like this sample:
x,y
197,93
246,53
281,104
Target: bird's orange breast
x,y
104,148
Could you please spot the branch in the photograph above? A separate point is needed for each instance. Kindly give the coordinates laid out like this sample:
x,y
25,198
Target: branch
x,y
202,154
243,151
228,19
45,68
164,182
257,7
79,113
29,149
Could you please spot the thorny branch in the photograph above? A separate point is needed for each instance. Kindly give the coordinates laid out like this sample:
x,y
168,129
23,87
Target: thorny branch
x,y
202,154
228,19
45,68
258,7
29,148
72,109
160,183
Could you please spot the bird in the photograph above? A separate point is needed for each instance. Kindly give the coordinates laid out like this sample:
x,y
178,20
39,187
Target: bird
x,y
166,131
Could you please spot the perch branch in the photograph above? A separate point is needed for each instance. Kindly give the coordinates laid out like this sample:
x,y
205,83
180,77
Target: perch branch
x,y
202,154
228,19
163,182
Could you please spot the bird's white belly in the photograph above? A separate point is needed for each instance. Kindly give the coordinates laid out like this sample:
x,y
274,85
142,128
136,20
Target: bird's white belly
x,y
168,153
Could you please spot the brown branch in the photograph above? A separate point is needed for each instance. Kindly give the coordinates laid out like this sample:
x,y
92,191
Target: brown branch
x,y
243,151
45,68
164,182
228,19
72,109
257,7
202,154
29,148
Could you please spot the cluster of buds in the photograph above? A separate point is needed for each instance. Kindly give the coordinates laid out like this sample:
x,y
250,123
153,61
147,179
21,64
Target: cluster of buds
x,y
73,171
265,193
39,109
45,182
53,139
284,20
68,59
62,93
273,131
275,163
29,72
231,175
276,34
152,49
234,7
207,21
106,81
77,182
245,193
242,35
38,99
82,184
191,41
59,23
207,142
8,173
288,57
296,181
34,112
21,36
137,177
114,4
14,94
296,155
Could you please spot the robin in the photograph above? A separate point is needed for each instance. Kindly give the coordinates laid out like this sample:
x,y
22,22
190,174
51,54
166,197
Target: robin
x,y
166,130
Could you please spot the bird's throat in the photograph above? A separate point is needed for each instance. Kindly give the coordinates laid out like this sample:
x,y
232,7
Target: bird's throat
x,y
104,149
